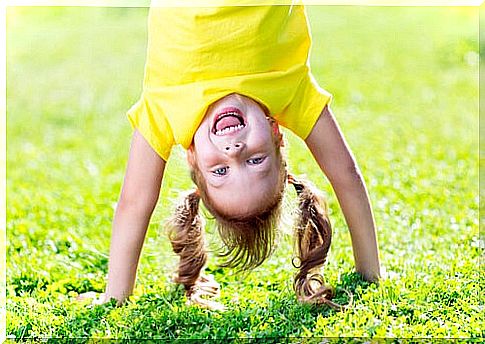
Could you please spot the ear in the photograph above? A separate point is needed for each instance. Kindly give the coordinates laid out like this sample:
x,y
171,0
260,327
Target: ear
x,y
191,155
277,134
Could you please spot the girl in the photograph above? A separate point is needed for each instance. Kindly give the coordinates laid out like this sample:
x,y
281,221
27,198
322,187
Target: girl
x,y
220,81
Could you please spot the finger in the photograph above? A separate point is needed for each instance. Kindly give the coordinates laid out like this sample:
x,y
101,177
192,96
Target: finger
x,y
100,300
211,284
209,292
86,296
93,297
208,286
204,303
203,278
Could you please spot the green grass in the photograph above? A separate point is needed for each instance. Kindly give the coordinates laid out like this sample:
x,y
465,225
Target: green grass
x,y
405,85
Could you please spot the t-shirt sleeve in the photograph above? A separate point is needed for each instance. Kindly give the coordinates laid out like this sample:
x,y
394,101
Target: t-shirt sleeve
x,y
305,108
149,119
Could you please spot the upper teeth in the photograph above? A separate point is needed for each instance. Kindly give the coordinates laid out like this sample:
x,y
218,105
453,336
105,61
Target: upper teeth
x,y
229,129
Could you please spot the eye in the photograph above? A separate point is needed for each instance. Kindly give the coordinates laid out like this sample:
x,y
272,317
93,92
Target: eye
x,y
221,171
255,161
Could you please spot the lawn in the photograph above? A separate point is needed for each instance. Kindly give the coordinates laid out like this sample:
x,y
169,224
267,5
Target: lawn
x,y
405,82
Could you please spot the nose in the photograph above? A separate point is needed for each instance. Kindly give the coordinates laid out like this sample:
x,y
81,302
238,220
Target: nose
x,y
233,149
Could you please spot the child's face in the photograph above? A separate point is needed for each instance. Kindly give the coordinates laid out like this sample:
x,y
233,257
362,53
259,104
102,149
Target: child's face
x,y
235,151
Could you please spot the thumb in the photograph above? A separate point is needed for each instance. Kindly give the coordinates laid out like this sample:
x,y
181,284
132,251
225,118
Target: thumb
x,y
93,297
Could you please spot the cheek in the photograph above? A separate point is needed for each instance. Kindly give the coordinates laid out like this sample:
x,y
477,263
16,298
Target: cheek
x,y
262,137
267,144
200,145
204,155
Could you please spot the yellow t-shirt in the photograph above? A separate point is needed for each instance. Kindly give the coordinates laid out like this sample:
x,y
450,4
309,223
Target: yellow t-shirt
x,y
196,56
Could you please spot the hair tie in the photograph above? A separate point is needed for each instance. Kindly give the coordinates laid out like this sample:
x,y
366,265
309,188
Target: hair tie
x,y
299,186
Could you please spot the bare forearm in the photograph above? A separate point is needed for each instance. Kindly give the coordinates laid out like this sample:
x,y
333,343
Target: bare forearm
x,y
355,205
129,229
138,198
328,146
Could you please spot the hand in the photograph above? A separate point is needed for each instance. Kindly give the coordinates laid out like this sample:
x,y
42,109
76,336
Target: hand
x,y
94,297
201,293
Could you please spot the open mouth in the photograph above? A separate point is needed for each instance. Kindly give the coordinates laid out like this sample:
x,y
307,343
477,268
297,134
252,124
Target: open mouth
x,y
229,121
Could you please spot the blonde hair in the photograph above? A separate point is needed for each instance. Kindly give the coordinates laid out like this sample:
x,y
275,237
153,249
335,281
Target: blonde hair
x,y
249,239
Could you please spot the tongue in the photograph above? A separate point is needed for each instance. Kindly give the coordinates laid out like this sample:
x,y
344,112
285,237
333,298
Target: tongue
x,y
228,121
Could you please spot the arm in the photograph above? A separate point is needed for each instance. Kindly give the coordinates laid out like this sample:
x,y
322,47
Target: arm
x,y
334,157
138,198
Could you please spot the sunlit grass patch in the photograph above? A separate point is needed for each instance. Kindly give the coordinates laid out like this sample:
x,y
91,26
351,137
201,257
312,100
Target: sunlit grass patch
x,y
405,93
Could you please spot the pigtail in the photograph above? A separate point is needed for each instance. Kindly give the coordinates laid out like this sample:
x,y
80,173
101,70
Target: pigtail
x,y
186,234
313,235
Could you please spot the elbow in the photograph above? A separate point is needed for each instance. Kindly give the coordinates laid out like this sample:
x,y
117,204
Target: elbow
x,y
346,176
136,203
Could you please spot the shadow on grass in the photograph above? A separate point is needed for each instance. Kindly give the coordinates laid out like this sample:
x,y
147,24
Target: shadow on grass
x,y
346,289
